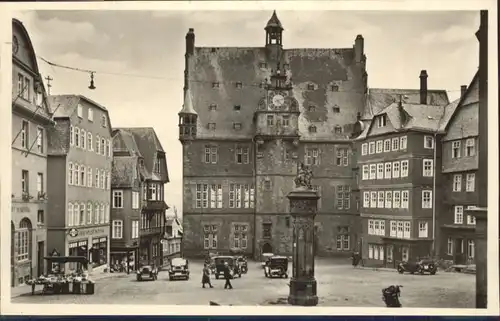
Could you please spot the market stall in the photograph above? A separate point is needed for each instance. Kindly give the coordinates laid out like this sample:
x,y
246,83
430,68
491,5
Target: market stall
x,y
59,282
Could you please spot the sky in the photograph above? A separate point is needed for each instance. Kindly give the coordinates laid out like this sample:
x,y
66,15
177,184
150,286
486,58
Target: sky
x,y
123,45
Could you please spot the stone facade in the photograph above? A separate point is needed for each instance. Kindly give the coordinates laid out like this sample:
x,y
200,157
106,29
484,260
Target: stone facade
x,y
30,119
249,116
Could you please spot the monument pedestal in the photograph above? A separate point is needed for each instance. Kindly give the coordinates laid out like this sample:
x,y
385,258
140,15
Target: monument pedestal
x,y
303,208
303,292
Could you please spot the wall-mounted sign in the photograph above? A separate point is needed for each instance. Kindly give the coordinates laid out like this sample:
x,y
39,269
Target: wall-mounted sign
x,y
88,232
73,232
21,209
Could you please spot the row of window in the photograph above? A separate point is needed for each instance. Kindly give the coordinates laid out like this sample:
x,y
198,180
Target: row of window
x,y
398,229
242,155
459,215
469,149
117,229
211,196
470,182
239,84
387,199
25,137
452,244
390,170
385,146
311,156
87,213
118,200
81,175
78,137
394,199
25,188
376,252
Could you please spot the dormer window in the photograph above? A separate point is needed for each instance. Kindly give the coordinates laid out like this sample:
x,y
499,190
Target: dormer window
x,y
312,129
335,88
382,121
336,109
239,85
211,126
215,84
310,86
237,126
237,107
90,114
212,107
338,130
311,108
157,167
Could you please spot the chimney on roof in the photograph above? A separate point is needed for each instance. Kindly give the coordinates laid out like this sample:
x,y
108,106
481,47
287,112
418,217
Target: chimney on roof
x,y
359,49
423,87
463,89
190,42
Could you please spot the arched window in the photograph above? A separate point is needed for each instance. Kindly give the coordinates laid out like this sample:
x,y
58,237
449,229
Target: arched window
x,y
76,214
24,240
83,176
82,214
70,215
90,145
70,174
96,213
89,213
76,175
83,139
77,137
103,215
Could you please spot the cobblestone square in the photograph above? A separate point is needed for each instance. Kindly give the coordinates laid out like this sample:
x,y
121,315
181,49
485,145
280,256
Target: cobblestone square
x,y
338,285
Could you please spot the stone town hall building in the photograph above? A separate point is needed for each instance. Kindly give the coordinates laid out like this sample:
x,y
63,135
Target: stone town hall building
x,y
250,115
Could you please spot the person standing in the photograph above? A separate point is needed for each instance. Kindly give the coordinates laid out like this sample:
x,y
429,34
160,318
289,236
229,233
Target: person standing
x,y
227,276
206,276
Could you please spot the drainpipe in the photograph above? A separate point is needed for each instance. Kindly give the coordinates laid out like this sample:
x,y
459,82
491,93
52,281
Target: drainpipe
x,y
434,197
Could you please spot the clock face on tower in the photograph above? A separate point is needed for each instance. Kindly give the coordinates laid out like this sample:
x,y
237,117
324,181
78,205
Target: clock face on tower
x,y
278,100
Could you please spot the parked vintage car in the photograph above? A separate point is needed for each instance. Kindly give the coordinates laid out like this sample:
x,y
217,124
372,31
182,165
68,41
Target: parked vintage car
x,y
242,262
179,269
220,265
264,257
147,272
276,266
421,267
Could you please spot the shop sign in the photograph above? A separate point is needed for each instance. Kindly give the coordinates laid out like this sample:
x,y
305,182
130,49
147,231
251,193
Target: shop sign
x,y
21,209
87,232
73,232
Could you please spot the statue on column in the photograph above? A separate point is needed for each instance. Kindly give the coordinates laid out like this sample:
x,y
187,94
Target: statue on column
x,y
304,176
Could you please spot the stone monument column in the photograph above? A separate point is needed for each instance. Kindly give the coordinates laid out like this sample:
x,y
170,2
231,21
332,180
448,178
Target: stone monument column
x,y
303,208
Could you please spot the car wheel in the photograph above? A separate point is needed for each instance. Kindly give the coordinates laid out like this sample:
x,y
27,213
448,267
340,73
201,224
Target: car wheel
x,y
400,270
433,273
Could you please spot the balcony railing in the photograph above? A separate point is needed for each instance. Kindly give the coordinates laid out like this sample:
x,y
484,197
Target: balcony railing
x,y
150,230
155,205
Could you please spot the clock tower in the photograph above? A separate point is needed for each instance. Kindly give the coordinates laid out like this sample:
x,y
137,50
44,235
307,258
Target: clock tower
x,y
276,143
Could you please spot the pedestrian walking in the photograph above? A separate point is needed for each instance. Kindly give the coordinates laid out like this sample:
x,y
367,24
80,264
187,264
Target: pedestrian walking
x,y
227,276
206,276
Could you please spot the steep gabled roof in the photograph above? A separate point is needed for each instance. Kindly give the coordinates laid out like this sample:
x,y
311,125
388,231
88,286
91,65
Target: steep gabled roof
x,y
274,22
63,106
453,112
380,98
148,145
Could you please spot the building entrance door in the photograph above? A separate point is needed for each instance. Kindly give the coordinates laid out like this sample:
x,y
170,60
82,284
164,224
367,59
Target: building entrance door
x,y
459,251
267,248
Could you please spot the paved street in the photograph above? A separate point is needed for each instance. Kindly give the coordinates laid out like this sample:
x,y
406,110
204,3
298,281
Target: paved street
x,y
339,285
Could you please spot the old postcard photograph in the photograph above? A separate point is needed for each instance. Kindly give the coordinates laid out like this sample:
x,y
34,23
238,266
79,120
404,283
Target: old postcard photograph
x,y
258,158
